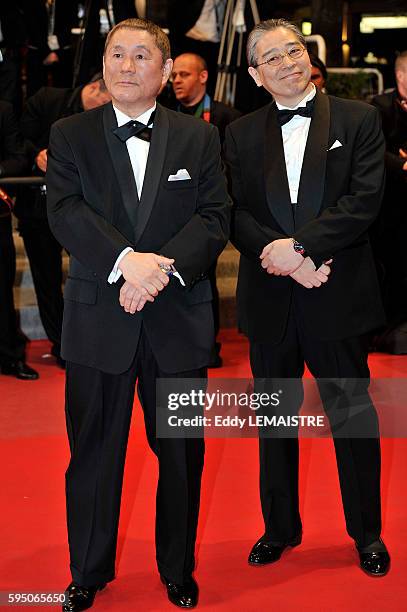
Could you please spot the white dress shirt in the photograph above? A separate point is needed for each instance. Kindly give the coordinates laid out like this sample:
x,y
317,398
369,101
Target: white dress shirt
x,y
208,27
138,152
295,134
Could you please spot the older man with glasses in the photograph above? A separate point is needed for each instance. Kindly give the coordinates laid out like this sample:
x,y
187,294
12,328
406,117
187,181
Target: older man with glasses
x,y
307,179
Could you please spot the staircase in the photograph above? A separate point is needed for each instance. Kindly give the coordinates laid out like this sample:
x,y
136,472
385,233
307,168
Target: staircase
x,y
226,279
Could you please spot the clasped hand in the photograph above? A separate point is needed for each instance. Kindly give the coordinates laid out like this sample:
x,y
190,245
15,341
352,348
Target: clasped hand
x,y
144,279
308,276
280,259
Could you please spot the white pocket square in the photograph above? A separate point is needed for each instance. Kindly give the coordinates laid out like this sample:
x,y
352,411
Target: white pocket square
x,y
182,175
335,145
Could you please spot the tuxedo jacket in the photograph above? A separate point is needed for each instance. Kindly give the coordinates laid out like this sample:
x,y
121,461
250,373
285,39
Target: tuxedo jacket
x,y
339,196
394,122
94,212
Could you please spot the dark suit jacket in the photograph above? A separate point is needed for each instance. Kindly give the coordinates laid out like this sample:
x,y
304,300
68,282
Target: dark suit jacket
x,y
222,115
183,15
41,110
93,212
12,24
13,161
339,197
394,122
36,23
388,232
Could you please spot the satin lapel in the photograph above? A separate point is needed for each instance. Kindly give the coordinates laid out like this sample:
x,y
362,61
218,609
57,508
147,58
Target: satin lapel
x,y
121,164
312,181
277,189
155,162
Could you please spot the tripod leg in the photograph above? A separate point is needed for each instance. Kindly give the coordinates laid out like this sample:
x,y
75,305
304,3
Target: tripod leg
x,y
226,24
255,11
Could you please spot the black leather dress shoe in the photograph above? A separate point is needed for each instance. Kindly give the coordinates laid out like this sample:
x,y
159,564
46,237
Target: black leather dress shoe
x,y
80,597
374,559
183,596
263,552
20,370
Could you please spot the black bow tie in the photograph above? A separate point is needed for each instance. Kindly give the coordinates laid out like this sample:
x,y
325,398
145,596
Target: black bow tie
x,y
135,128
285,114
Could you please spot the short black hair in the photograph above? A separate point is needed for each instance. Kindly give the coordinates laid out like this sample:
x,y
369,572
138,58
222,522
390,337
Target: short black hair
x,y
318,63
160,38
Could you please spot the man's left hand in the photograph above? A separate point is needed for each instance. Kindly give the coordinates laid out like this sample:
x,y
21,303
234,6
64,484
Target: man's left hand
x,y
279,257
42,159
133,299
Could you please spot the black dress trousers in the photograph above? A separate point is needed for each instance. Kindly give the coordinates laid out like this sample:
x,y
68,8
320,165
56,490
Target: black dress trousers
x,y
98,413
357,455
45,256
12,342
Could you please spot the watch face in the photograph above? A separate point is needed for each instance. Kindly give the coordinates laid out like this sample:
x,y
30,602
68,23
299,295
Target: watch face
x,y
298,248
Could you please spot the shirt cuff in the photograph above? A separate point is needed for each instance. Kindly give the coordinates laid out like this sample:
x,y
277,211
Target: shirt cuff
x,y
177,275
115,274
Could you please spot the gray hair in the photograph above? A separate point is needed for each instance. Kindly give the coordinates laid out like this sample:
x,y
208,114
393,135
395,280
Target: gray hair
x,y
268,26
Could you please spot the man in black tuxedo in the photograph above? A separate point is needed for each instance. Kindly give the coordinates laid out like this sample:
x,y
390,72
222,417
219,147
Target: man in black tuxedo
x,y
143,223
307,176
389,229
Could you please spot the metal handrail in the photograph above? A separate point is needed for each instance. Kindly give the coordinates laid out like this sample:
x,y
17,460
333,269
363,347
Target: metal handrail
x,y
374,71
22,180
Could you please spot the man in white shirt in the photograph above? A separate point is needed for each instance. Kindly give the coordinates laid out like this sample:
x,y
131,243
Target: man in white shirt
x,y
137,195
196,27
307,180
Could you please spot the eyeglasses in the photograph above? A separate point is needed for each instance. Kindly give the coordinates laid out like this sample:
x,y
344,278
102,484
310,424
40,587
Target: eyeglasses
x,y
294,53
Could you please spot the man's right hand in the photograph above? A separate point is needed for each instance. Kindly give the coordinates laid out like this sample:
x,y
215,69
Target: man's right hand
x,y
307,276
142,270
41,160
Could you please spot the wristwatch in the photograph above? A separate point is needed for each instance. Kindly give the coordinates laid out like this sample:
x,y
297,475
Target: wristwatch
x,y
299,248
170,270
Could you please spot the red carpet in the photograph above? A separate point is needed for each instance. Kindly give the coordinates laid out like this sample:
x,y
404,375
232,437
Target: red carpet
x,y
319,575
